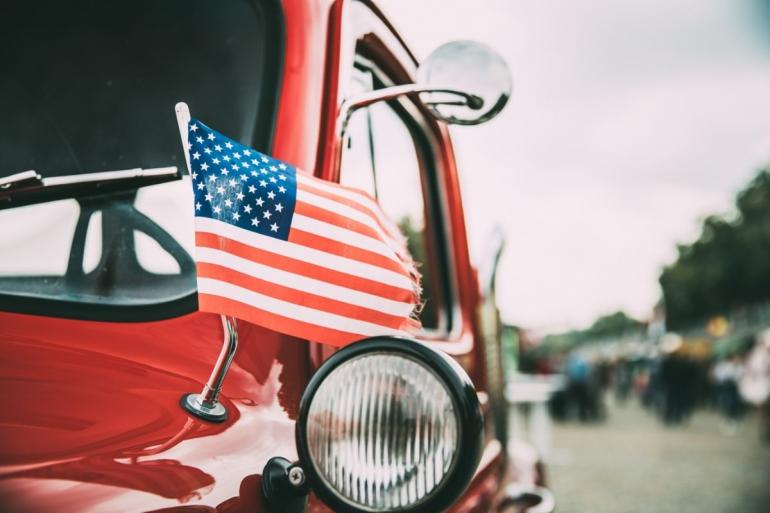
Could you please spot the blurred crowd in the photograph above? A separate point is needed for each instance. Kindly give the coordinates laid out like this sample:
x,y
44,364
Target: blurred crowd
x,y
673,380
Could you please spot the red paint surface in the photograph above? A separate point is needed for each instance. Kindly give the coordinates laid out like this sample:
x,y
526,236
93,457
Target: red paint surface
x,y
89,416
93,421
298,126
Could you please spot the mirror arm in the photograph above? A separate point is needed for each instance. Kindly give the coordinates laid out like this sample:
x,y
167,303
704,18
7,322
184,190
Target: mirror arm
x,y
388,93
352,104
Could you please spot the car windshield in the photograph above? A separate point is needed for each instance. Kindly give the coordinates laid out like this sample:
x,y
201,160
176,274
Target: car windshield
x,y
90,87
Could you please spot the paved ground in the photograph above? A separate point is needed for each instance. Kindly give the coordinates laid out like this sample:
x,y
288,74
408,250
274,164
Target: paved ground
x,y
633,464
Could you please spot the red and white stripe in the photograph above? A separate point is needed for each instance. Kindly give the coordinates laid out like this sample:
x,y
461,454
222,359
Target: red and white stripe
x,y
344,273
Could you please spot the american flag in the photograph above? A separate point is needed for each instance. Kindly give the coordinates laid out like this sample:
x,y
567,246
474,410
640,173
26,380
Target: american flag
x,y
298,255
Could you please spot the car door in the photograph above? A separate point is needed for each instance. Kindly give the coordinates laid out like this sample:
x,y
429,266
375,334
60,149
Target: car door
x,y
402,156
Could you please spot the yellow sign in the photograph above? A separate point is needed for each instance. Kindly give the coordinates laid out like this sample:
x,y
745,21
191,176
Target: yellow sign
x,y
718,326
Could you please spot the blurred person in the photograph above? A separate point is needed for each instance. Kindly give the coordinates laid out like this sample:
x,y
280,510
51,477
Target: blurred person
x,y
595,387
623,380
696,377
754,386
559,403
605,378
584,387
649,385
674,377
578,370
727,373
673,388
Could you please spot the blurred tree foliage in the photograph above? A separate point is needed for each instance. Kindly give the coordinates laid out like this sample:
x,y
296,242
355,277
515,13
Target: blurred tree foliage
x,y
415,243
612,325
728,266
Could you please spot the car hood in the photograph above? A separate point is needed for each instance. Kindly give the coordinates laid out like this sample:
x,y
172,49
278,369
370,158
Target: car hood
x,y
91,416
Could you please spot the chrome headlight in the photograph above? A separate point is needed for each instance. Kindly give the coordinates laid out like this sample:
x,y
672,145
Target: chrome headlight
x,y
388,424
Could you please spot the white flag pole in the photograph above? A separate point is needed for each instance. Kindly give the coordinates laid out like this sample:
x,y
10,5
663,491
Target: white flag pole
x,y
182,120
206,404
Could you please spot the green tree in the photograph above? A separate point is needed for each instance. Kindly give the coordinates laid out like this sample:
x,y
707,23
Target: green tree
x,y
611,325
727,267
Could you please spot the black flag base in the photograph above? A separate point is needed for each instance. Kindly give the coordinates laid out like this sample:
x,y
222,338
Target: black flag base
x,y
206,405
213,412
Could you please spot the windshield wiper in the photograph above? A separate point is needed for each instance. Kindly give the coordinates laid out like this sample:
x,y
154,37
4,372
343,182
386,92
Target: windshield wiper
x,y
30,187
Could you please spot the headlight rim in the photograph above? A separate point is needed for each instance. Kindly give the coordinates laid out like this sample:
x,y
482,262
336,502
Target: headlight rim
x,y
464,398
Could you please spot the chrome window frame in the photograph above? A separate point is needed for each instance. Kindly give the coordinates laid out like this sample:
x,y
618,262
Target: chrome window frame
x,y
449,324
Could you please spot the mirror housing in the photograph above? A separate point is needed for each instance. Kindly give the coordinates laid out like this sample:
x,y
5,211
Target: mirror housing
x,y
462,82
472,68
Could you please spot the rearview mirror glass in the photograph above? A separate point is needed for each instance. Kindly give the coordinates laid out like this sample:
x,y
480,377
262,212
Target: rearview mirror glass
x,y
469,67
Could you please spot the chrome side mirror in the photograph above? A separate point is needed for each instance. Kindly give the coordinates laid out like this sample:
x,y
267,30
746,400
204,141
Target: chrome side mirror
x,y
469,67
462,82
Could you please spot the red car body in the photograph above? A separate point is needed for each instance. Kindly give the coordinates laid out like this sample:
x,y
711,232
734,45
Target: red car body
x,y
90,418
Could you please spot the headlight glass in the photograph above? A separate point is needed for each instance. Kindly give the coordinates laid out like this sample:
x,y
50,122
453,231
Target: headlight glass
x,y
382,431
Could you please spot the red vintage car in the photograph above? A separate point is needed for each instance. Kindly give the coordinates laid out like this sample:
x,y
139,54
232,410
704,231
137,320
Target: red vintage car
x,y
100,338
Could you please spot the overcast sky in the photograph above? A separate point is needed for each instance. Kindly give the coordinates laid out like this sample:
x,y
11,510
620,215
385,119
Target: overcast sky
x,y
630,122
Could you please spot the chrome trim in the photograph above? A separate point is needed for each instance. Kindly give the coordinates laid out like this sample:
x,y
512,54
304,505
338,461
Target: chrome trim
x,y
518,494
33,178
206,405
110,175
18,179
213,412
449,329
450,336
353,103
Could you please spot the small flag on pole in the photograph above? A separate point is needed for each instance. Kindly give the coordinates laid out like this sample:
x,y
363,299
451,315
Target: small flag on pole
x,y
298,255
